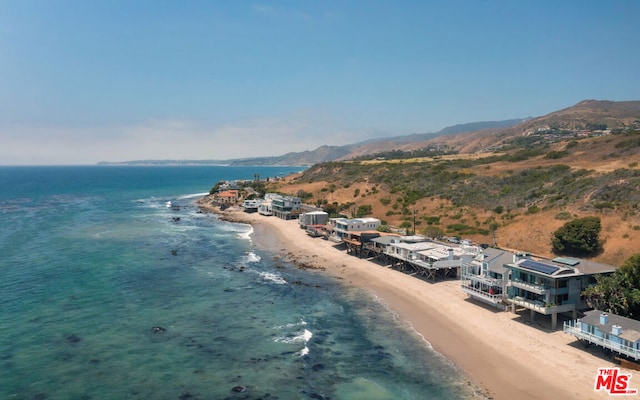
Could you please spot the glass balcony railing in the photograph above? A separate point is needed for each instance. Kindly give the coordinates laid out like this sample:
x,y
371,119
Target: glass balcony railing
x,y
531,287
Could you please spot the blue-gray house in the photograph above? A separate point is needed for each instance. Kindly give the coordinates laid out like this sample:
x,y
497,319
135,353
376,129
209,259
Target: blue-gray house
x,y
614,332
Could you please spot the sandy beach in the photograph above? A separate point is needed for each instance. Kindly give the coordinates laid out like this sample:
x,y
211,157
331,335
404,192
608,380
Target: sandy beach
x,y
502,352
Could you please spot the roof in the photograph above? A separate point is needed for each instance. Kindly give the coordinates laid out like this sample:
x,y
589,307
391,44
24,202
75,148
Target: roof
x,y
415,246
630,327
562,266
438,253
491,254
447,263
228,193
496,258
351,221
385,239
414,238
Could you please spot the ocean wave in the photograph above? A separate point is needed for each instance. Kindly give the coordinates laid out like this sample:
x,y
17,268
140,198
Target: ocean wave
x,y
252,257
292,325
273,278
297,337
191,196
243,231
246,234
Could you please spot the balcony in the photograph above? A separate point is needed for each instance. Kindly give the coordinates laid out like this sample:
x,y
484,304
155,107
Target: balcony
x,y
483,279
530,287
482,294
574,328
541,307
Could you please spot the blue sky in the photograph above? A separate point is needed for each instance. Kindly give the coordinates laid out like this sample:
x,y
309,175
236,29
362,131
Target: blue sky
x,y
85,81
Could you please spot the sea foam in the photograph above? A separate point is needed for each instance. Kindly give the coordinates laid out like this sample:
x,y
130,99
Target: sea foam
x,y
273,278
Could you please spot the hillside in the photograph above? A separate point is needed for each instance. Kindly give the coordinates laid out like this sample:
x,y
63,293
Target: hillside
x,y
327,153
586,116
517,196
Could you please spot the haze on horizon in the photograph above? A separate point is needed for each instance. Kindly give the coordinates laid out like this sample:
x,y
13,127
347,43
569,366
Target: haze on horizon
x,y
83,82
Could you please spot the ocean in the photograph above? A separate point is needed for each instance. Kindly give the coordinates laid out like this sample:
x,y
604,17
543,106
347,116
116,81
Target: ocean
x,y
106,292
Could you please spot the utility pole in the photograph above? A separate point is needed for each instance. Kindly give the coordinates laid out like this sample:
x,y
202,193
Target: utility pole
x,y
414,221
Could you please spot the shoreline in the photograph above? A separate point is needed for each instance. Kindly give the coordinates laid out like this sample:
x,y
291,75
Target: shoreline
x,y
503,353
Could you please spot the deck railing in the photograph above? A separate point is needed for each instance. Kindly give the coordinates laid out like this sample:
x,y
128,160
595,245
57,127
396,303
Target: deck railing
x,y
574,329
532,287
482,279
494,298
541,307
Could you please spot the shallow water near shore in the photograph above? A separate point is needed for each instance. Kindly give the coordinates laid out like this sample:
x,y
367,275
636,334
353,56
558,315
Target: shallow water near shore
x,y
108,292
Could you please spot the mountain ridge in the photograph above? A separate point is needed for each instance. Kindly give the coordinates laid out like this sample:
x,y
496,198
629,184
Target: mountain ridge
x,y
462,138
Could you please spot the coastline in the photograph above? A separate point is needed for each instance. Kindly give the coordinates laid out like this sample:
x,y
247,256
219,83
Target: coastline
x,y
501,352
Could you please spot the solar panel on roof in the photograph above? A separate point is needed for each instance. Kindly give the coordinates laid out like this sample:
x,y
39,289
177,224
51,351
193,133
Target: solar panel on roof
x,y
539,267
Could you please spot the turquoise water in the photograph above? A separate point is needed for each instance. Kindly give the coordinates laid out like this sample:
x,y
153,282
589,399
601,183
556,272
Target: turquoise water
x,y
107,293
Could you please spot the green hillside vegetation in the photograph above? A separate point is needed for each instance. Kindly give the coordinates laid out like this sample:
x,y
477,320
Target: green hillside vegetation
x,y
618,293
478,196
514,190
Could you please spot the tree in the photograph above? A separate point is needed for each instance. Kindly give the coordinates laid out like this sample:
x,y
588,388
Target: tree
x,y
365,209
579,237
405,225
631,270
618,293
433,231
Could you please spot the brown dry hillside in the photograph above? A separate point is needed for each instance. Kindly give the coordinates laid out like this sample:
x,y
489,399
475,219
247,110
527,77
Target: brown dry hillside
x,y
517,200
587,114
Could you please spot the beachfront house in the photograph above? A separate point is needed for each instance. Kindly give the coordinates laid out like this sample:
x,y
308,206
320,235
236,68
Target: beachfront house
x,y
614,332
404,248
420,255
377,247
551,287
285,207
265,207
313,218
227,197
485,277
251,205
446,260
343,227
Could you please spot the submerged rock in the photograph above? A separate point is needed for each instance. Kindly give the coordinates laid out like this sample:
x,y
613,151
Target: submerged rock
x,y
73,338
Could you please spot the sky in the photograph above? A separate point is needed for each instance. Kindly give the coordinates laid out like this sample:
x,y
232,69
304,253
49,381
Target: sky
x,y
89,81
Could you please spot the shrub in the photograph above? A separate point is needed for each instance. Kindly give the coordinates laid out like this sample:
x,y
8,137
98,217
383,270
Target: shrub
x,y
563,215
578,237
554,155
432,220
384,228
432,231
532,210
571,144
364,209
602,205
